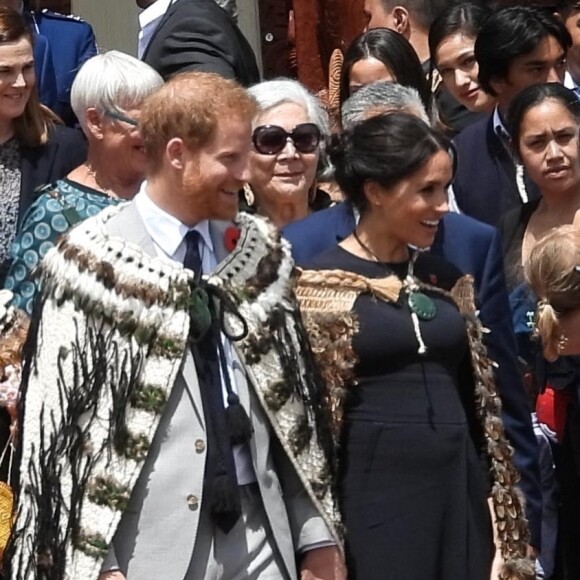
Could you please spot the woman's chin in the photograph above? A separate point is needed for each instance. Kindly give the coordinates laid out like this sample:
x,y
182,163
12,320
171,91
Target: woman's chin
x,y
291,195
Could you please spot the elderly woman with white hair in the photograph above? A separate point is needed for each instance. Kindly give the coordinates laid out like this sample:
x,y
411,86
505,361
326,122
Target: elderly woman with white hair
x,y
289,154
106,97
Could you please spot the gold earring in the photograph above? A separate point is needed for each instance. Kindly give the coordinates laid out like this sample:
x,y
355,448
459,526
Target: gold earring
x,y
249,195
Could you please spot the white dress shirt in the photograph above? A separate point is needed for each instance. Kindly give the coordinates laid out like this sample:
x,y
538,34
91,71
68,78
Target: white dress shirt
x,y
148,21
499,127
168,235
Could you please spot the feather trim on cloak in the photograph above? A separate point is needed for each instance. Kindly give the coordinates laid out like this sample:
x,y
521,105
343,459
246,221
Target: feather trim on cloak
x,y
112,326
326,299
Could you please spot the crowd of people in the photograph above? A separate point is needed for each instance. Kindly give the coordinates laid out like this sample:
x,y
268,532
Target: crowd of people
x,y
241,341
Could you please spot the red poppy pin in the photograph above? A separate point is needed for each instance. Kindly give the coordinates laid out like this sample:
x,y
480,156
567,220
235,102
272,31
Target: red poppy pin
x,y
433,279
231,237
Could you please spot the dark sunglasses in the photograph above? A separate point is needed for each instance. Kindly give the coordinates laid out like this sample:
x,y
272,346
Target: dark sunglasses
x,y
271,139
120,117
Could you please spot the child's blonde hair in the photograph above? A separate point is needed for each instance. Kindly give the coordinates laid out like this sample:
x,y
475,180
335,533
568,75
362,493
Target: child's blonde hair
x,y
551,272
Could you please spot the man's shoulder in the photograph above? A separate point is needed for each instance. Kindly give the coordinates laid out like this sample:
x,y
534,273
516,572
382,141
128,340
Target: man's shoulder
x,y
66,135
123,221
336,214
319,231
468,243
473,132
49,20
51,16
199,8
468,228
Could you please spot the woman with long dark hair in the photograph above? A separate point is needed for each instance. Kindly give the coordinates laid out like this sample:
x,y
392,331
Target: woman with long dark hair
x,y
382,54
453,68
451,45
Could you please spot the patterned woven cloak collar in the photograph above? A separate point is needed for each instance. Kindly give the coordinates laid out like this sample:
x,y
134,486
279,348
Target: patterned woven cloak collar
x,y
112,332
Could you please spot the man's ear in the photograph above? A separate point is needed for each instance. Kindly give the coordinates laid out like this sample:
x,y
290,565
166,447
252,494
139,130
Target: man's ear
x,y
174,151
401,20
94,123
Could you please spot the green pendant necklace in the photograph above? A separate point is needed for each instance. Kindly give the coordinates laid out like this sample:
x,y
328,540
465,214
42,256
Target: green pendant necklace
x,y
420,305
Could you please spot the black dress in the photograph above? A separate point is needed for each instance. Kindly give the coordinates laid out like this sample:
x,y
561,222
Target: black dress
x,y
413,487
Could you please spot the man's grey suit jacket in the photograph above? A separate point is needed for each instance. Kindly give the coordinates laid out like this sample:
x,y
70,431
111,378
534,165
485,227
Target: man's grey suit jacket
x,y
158,530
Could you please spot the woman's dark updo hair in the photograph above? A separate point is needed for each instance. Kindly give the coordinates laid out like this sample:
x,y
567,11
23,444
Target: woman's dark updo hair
x,y
395,52
464,18
536,95
386,149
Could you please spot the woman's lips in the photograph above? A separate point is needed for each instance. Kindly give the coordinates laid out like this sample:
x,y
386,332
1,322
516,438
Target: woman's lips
x,y
472,94
556,171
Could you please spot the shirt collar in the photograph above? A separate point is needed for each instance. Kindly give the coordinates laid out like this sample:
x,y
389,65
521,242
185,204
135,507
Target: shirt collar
x,y
166,230
155,11
570,83
499,127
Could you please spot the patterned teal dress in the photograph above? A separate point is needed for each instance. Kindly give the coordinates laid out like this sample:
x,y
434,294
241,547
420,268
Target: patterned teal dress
x,y
59,207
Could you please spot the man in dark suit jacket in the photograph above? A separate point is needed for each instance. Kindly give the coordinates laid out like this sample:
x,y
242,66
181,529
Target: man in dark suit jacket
x,y
199,35
515,48
476,249
45,73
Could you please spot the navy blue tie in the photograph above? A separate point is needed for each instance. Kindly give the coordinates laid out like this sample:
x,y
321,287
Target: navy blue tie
x,y
220,481
193,260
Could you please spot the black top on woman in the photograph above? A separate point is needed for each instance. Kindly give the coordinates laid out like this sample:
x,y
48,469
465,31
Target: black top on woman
x,y
413,483
413,488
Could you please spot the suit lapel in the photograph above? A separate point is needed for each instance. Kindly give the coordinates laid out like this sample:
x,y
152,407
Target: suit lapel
x,y
437,246
217,230
35,164
346,222
504,162
26,171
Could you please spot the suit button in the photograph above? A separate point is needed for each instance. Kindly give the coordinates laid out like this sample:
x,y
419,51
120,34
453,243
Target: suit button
x,y
192,502
199,445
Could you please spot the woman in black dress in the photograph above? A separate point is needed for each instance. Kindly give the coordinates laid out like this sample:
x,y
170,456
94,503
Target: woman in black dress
x,y
414,475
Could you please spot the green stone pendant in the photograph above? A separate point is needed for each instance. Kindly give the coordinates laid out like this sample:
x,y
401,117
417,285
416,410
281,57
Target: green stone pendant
x,y
199,313
422,305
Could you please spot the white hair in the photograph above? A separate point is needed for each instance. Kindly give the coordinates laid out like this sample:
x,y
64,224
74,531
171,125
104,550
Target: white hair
x,y
271,94
112,80
383,95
